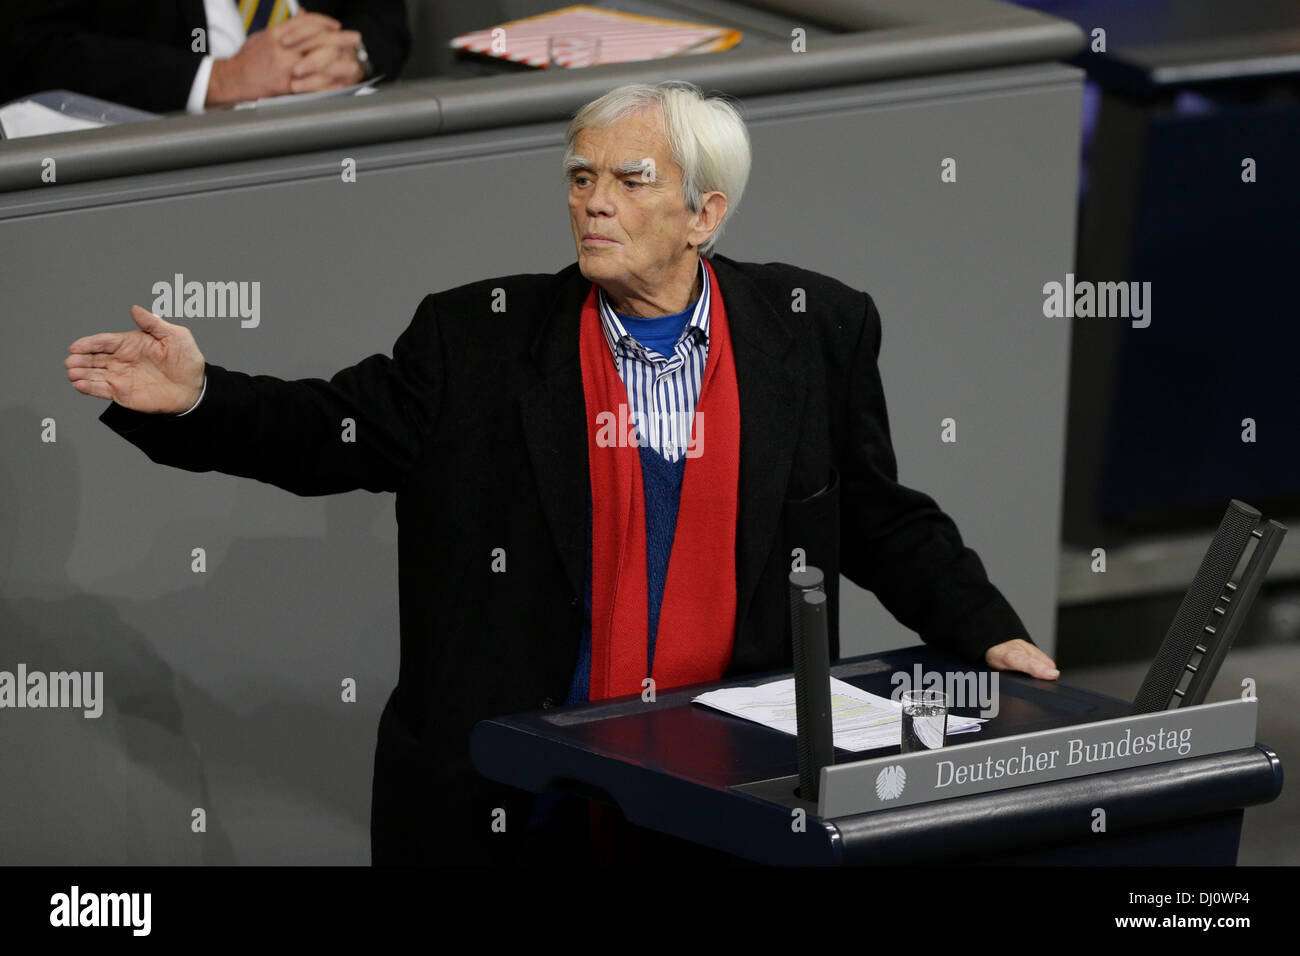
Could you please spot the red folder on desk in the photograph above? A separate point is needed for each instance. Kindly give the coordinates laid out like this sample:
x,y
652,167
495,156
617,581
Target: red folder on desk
x,y
624,37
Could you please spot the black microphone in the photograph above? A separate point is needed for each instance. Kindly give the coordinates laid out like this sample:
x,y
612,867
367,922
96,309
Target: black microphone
x,y
812,678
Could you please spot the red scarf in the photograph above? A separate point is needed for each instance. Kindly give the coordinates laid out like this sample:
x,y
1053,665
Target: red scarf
x,y
698,617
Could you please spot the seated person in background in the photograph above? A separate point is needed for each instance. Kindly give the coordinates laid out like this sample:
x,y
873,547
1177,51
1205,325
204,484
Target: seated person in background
x,y
144,53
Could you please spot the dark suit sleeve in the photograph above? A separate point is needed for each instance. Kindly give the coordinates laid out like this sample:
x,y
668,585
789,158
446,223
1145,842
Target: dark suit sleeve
x,y
382,25
291,433
897,542
55,44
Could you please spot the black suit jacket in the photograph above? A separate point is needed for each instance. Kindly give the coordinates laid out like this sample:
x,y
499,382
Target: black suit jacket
x,y
139,53
477,422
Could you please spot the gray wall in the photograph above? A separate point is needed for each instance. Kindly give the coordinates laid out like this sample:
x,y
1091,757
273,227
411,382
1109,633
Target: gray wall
x,y
223,687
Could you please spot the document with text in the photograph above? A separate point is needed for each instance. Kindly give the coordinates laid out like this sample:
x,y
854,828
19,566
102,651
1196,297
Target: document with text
x,y
859,720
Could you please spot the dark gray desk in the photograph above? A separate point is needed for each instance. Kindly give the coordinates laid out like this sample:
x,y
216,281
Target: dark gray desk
x,y
1155,47
674,767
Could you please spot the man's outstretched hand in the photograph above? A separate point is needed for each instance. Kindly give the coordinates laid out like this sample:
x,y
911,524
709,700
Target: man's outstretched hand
x,y
1020,655
158,368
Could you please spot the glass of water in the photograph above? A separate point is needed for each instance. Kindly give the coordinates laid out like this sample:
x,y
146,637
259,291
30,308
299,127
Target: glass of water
x,y
925,720
572,50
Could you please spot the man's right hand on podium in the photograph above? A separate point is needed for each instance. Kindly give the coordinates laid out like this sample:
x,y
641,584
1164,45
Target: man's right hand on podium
x,y
157,369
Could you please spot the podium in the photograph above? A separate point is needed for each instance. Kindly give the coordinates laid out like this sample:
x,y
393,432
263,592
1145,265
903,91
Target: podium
x,y
716,780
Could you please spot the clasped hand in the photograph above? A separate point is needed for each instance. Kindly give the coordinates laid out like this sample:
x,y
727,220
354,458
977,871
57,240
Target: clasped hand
x,y
304,54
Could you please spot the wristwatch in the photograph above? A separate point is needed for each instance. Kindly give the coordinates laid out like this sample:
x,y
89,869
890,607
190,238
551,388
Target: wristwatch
x,y
363,57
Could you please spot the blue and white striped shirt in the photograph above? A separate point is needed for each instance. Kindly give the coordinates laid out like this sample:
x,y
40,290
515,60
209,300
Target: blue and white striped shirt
x,y
662,391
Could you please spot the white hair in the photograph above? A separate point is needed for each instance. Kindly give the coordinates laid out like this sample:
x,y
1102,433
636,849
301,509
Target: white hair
x,y
706,135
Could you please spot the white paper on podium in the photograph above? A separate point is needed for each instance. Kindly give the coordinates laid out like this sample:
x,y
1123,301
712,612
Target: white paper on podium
x,y
859,720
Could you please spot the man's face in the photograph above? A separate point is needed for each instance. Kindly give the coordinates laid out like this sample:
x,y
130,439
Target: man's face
x,y
645,224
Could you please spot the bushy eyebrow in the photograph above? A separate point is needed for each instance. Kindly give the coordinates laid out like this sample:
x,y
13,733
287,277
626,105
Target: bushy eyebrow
x,y
633,167
576,164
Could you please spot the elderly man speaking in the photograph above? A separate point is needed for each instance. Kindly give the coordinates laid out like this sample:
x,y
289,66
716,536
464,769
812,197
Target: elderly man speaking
x,y
603,475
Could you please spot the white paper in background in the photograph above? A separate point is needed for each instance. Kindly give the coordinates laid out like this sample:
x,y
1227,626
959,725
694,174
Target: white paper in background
x,y
859,720
26,118
288,99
